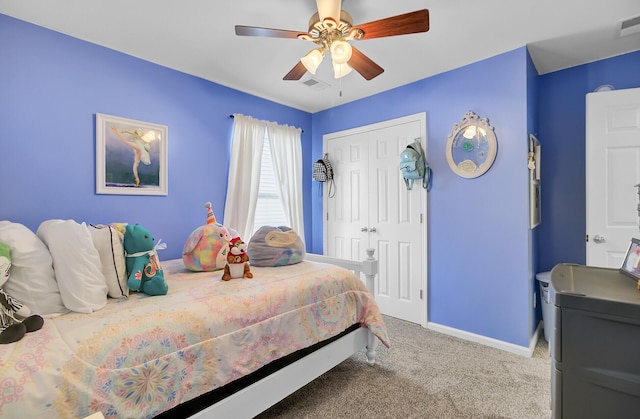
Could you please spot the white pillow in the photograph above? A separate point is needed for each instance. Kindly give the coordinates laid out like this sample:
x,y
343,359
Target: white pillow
x,y
31,279
76,263
107,242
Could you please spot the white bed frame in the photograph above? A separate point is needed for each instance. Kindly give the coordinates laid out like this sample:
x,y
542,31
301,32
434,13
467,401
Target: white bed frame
x,y
263,394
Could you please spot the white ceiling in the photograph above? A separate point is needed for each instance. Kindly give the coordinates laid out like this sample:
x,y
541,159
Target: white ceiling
x,y
197,37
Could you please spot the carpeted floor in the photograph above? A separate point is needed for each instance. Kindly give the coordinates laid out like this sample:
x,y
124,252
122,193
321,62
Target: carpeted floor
x,y
427,374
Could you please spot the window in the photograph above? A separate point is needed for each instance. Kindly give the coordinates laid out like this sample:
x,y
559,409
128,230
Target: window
x,y
269,210
244,182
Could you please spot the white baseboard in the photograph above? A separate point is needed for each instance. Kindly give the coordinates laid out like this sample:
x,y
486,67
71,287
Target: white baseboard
x,y
494,343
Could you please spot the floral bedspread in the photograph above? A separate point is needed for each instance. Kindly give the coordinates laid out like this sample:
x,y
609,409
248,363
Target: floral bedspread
x,y
139,357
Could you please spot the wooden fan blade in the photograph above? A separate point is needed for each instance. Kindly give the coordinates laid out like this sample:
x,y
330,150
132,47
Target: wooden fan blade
x,y
267,32
296,72
364,65
413,22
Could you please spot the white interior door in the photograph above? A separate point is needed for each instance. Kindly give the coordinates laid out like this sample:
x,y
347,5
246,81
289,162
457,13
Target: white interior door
x,y
613,170
346,214
373,208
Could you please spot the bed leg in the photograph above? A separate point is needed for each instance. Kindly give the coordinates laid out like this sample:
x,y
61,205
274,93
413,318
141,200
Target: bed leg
x,y
370,270
372,344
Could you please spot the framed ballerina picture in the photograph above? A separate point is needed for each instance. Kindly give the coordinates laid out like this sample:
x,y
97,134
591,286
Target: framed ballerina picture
x,y
131,156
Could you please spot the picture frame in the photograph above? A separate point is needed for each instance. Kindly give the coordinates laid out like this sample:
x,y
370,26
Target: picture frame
x,y
131,156
631,263
533,164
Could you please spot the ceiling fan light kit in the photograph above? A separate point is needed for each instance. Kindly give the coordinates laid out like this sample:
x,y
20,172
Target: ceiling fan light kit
x,y
332,28
340,52
341,70
312,60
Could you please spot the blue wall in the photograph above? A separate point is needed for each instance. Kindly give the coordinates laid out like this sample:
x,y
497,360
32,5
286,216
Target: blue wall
x,y
562,111
534,235
51,87
482,255
477,228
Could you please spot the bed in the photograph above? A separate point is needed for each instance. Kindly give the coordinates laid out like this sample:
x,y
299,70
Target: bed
x,y
163,356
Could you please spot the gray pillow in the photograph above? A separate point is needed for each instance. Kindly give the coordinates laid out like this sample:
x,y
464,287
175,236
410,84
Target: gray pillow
x,y
275,246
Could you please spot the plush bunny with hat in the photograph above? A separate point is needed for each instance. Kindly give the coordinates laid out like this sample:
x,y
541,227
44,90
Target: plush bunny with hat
x,y
15,318
207,247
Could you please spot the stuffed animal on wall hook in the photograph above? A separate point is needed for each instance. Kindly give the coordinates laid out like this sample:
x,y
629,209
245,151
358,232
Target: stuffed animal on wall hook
x,y
237,261
15,318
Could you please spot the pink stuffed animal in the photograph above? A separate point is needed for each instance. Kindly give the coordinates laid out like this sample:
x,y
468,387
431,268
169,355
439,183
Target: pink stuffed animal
x,y
207,246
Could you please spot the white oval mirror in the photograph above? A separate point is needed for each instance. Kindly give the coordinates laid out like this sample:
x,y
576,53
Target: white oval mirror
x,y
472,146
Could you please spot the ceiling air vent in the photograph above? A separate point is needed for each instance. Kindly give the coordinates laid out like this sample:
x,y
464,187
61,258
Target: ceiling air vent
x,y
630,26
314,83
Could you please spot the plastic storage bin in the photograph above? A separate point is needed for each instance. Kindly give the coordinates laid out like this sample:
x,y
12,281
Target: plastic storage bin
x,y
547,305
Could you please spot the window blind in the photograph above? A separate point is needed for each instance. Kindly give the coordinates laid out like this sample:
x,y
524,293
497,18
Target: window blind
x,y
269,210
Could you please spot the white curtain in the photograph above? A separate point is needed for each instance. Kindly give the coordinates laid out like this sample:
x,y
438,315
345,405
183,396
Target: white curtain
x,y
286,152
244,174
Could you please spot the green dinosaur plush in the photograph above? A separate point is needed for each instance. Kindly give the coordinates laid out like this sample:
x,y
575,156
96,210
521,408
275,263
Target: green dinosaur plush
x,y
15,318
143,267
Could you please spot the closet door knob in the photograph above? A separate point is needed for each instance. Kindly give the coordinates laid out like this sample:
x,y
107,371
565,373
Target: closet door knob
x,y
372,230
364,229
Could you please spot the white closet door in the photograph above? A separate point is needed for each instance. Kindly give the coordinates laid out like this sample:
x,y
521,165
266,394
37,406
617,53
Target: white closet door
x,y
396,215
373,208
346,216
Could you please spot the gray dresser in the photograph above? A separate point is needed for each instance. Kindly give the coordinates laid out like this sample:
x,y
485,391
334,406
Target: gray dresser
x,y
596,343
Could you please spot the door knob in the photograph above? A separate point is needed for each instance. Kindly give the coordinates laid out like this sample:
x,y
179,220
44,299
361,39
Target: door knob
x,y
598,239
364,229
372,230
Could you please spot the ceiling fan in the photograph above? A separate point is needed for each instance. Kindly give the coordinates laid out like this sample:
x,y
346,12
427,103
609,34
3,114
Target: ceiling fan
x,y
331,28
